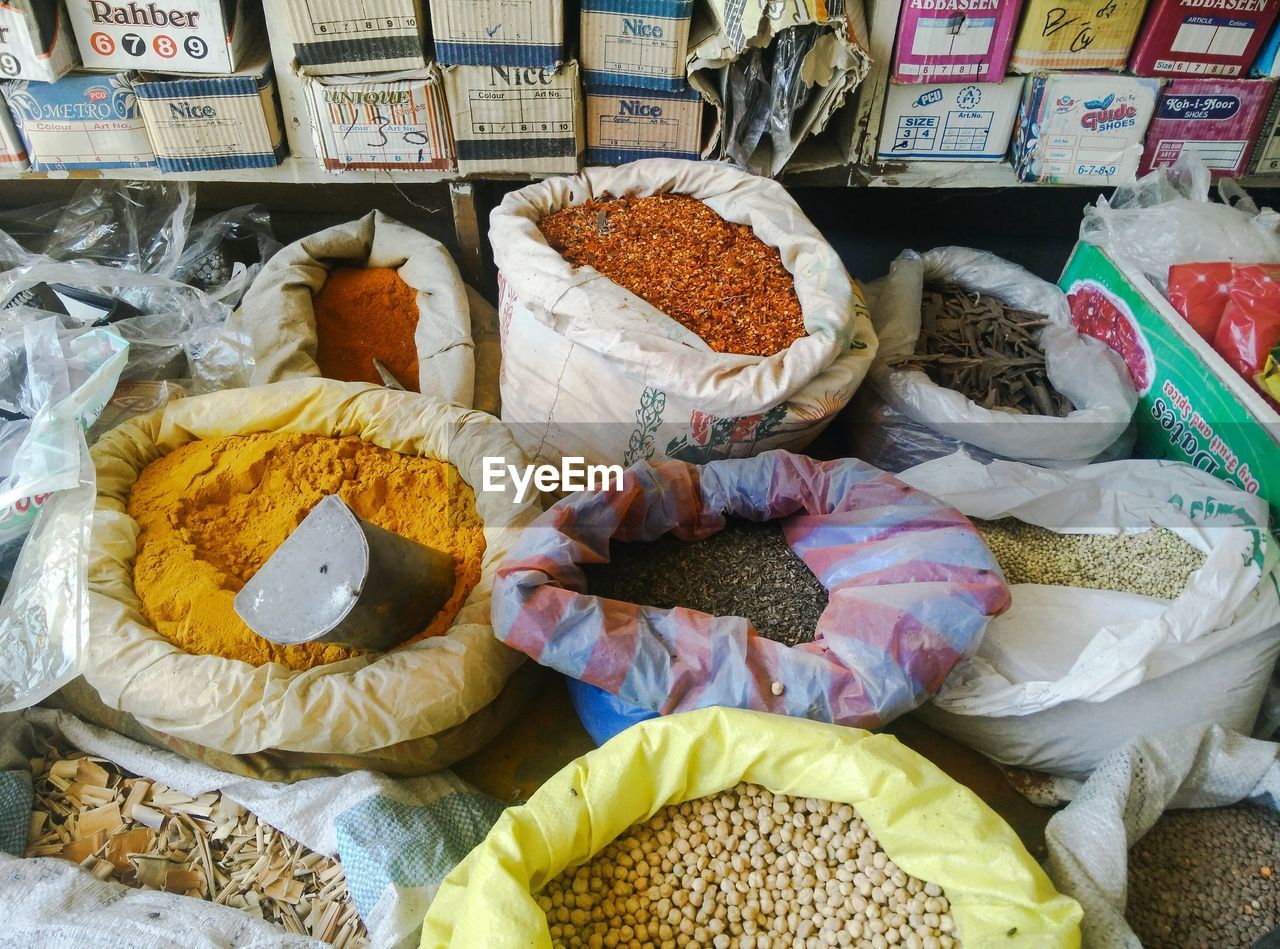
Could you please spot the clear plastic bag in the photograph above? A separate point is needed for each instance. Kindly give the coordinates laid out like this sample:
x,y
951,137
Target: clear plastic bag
x,y
135,225
226,251
54,383
1167,218
177,334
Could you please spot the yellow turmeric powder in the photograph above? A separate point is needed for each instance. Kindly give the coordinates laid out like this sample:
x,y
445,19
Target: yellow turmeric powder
x,y
212,512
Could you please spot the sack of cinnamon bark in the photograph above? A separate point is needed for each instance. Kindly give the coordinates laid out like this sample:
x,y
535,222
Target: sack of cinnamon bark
x,y
983,352
366,299
671,309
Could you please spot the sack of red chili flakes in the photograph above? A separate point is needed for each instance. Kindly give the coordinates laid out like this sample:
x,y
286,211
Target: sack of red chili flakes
x,y
591,369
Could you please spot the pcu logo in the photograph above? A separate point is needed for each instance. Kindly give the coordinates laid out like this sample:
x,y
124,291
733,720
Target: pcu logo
x,y
928,99
96,94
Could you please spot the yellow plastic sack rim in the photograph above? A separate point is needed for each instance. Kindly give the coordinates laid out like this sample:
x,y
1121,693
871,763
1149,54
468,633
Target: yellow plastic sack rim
x,y
930,825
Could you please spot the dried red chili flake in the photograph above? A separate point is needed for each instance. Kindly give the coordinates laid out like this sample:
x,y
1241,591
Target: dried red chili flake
x,y
716,278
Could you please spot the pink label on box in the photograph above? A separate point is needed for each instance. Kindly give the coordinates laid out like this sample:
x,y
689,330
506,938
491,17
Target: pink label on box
x,y
1202,37
1218,118
955,40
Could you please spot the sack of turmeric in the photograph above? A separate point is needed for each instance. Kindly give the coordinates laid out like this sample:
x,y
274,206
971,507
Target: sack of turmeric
x,y
374,288
412,710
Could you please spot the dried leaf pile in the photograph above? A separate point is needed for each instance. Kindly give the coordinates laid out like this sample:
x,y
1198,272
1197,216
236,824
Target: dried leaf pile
x,y
985,350
149,836
715,278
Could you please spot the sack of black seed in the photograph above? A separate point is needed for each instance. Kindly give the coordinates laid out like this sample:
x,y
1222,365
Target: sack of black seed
x,y
853,613
983,352
1173,843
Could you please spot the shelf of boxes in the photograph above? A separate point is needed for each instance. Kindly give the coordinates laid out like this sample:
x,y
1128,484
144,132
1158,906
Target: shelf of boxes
x,y
304,166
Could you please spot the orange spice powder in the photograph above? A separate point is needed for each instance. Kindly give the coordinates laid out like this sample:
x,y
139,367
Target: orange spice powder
x,y
716,278
363,314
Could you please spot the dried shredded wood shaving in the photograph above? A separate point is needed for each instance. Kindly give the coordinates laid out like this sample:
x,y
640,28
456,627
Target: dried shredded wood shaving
x,y
144,834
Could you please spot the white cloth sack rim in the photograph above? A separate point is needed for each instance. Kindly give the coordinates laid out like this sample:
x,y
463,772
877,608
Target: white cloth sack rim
x,y
590,310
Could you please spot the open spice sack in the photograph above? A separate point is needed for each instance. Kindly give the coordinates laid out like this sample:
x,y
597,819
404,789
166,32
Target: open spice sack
x,y
929,840
984,352
132,846
911,588
1172,842
192,499
374,288
785,338
1145,597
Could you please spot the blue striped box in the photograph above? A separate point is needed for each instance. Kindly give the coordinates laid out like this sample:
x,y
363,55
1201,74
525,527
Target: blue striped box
x,y
499,32
626,124
84,120
214,122
635,43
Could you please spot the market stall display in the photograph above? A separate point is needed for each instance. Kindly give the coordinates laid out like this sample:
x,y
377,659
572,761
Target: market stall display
x,y
929,826
670,394
982,352
1070,673
911,589
293,316
411,710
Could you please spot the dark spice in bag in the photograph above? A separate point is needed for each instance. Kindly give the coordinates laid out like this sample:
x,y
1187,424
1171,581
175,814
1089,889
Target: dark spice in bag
x,y
747,569
986,350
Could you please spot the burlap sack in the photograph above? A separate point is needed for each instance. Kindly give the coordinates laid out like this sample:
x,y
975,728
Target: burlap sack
x,y
405,711
275,322
591,370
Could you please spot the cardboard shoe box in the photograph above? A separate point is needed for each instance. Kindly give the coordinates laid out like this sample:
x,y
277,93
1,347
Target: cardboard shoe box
x,y
1192,406
516,118
1084,128
342,37
393,121
954,40
35,40
1076,34
627,124
1266,150
172,36
1217,118
84,120
1202,37
498,32
214,122
13,154
631,44
950,122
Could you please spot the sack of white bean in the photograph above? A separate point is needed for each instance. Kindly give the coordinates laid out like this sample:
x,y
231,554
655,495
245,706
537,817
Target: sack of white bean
x,y
728,827
1145,598
979,350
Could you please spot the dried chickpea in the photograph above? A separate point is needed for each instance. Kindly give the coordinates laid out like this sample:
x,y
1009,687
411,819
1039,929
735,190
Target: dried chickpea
x,y
746,868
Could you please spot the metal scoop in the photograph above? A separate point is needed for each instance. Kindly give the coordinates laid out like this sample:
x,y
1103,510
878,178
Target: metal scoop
x,y
339,579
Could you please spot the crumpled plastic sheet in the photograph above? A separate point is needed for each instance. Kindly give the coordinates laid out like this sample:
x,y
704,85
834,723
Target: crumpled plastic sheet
x,y
911,586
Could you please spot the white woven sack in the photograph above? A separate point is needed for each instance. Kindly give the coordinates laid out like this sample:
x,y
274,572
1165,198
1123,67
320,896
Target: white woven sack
x,y
1068,675
1081,368
591,370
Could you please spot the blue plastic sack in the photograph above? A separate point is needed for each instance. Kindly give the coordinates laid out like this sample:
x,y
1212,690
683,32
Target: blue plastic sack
x,y
602,713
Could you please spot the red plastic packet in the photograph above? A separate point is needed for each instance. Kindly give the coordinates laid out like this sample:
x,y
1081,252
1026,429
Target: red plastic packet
x,y
1250,324
1199,292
